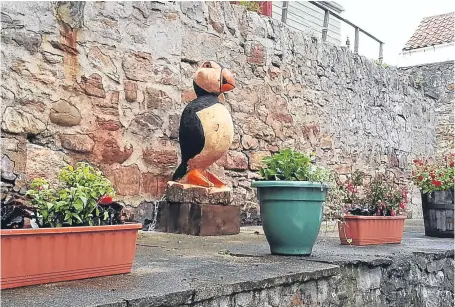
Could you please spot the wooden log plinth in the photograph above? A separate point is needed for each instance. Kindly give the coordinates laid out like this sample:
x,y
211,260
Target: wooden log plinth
x,y
198,211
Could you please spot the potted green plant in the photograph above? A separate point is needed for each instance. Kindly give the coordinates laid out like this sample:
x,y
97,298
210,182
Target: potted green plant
x,y
435,179
291,196
77,232
373,211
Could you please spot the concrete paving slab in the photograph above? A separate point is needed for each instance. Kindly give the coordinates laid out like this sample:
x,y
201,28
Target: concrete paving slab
x,y
175,269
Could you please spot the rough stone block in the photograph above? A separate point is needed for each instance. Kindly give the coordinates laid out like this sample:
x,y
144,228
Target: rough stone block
x,y
21,121
93,85
198,211
234,160
65,114
77,142
256,158
130,90
186,193
198,219
126,179
256,53
160,158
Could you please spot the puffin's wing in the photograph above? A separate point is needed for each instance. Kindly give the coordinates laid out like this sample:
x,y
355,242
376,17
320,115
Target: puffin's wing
x,y
191,133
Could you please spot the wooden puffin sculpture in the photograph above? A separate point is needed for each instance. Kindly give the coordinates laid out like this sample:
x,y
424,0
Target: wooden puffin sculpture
x,y
206,129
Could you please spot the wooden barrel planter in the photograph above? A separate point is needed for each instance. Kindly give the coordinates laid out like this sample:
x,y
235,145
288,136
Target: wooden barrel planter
x,y
438,213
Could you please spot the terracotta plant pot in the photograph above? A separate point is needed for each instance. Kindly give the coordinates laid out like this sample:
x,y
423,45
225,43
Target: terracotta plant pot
x,y
369,230
45,255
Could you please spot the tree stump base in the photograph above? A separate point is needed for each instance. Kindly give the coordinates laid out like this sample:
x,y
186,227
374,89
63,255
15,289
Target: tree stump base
x,y
198,211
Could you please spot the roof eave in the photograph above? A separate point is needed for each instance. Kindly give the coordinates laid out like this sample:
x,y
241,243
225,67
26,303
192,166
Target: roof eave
x,y
428,46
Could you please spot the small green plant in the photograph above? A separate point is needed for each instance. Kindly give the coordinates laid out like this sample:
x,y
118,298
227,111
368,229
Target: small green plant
x,y
74,200
379,63
253,6
292,166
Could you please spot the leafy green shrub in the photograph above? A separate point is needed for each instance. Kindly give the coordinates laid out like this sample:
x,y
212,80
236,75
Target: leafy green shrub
x,y
379,63
253,6
292,166
74,200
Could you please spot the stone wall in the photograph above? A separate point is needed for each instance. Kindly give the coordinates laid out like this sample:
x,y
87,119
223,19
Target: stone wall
x,y
106,82
409,282
424,279
437,81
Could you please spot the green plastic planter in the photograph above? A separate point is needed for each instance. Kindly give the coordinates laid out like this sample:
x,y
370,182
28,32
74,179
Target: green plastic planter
x,y
291,213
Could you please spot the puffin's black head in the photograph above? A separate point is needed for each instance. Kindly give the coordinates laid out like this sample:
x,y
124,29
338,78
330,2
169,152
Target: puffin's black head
x,y
212,78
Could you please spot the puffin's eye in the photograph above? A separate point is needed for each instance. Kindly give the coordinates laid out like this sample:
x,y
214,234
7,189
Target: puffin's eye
x,y
207,65
224,81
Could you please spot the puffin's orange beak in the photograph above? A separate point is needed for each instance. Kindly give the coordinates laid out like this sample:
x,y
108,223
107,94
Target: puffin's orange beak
x,y
227,81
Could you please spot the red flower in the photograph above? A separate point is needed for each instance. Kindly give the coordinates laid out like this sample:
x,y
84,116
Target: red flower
x,y
392,212
451,164
436,183
416,161
105,200
420,178
402,205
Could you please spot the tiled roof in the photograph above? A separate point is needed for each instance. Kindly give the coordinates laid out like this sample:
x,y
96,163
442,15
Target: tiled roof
x,y
433,30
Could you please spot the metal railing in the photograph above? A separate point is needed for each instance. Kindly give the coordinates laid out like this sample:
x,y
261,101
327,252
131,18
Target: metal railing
x,y
325,26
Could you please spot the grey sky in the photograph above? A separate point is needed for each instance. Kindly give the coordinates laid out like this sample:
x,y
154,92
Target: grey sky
x,y
393,22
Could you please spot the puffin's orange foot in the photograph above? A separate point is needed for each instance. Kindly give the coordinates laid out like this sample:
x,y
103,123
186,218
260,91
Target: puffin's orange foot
x,y
196,178
214,179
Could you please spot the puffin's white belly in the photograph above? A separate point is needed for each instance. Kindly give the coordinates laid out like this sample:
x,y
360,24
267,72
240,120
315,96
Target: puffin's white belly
x,y
218,132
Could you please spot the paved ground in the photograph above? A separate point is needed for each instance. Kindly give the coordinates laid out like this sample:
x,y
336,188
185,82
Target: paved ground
x,y
171,267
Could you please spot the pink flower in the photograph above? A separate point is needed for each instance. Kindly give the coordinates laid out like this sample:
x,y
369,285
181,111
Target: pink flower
x,y
392,212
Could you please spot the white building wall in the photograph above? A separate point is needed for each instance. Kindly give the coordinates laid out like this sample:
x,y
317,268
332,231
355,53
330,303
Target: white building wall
x,y
434,54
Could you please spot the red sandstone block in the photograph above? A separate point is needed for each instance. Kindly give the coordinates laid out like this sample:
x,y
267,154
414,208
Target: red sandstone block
x,y
219,220
198,220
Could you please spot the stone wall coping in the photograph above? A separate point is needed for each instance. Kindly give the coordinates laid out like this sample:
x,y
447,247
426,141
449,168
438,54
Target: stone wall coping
x,y
180,270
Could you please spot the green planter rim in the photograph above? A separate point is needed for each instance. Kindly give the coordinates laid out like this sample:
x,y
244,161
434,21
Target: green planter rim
x,y
288,184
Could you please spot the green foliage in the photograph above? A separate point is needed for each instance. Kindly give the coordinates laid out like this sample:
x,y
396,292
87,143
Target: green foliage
x,y
74,200
384,65
253,6
290,165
